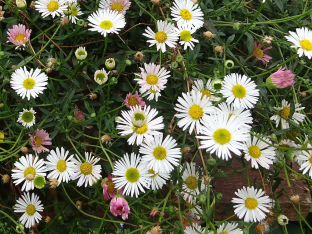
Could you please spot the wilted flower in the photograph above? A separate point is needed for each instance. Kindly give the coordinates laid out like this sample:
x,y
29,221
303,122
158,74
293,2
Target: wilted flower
x,y
282,78
109,190
39,139
5,178
79,114
119,206
134,100
209,34
267,40
1,13
258,53
139,56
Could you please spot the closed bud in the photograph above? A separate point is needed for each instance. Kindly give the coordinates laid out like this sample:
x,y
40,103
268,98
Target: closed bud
x,y
25,150
186,150
279,163
229,64
106,139
174,64
114,73
202,198
303,94
32,5
47,219
48,70
219,196
282,220
211,162
21,4
110,63
179,58
81,23
128,62
236,25
1,105
290,156
93,115
92,96
53,183
273,137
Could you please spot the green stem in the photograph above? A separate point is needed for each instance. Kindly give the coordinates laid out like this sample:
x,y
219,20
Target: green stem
x,y
105,48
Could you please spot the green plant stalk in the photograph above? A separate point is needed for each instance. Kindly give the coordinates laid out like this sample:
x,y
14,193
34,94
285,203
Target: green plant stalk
x,y
107,156
11,219
105,48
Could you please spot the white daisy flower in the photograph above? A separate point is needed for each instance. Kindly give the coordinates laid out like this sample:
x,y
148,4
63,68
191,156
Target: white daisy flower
x,y
81,53
229,228
27,169
101,76
106,21
61,166
195,211
193,108
186,12
288,144
160,155
146,132
152,94
240,113
27,117
158,179
186,39
165,35
191,188
206,91
305,158
240,90
74,11
152,77
251,204
285,112
222,134
30,83
132,176
29,205
302,39
51,7
121,6
87,172
259,152
194,229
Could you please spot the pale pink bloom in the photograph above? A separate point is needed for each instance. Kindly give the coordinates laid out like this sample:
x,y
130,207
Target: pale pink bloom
x,y
258,52
282,78
79,114
19,35
119,206
41,138
134,100
109,189
116,5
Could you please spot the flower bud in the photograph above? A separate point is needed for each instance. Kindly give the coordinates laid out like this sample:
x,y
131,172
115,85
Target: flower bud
x,y
290,155
279,163
25,150
81,53
47,219
156,2
128,62
21,4
219,196
217,84
202,198
229,64
273,137
53,183
174,65
101,76
211,162
93,115
295,199
185,150
1,105
282,220
64,21
236,26
32,5
106,139
81,23
114,73
110,63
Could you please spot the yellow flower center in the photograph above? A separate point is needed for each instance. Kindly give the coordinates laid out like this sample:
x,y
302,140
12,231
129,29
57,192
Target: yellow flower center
x,y
186,35
192,182
117,7
53,6
153,91
61,165
86,168
151,171
74,11
30,209
141,130
38,141
224,232
222,136
254,151
29,83
132,175
1,136
106,24
196,112
285,112
20,37
185,14
239,91
100,76
152,79
306,44
160,153
111,186
251,203
133,101
310,159
258,52
30,170
205,93
160,37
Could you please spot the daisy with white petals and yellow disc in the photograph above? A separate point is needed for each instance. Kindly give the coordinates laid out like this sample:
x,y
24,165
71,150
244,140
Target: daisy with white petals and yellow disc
x,y
106,21
160,155
191,187
132,175
284,113
87,172
185,32
240,90
29,205
305,158
51,7
205,90
251,204
27,168
128,124
229,228
165,35
186,12
61,166
222,135
192,108
28,83
302,39
27,117
158,179
259,152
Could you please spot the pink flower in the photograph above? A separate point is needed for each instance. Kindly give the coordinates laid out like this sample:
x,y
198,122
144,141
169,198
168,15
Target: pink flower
x,y
109,189
41,138
79,114
281,79
19,35
186,222
134,100
116,5
155,211
258,52
119,206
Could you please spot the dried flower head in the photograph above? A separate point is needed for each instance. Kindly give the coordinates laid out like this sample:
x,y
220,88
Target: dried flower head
x,y
156,2
47,219
32,5
5,178
218,49
53,183
209,34
25,150
295,199
64,21
139,56
92,96
106,139
267,40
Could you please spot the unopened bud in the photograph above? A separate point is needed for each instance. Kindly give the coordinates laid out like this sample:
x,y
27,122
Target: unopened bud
x,y
110,63
282,220
303,94
32,5
48,70
47,219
